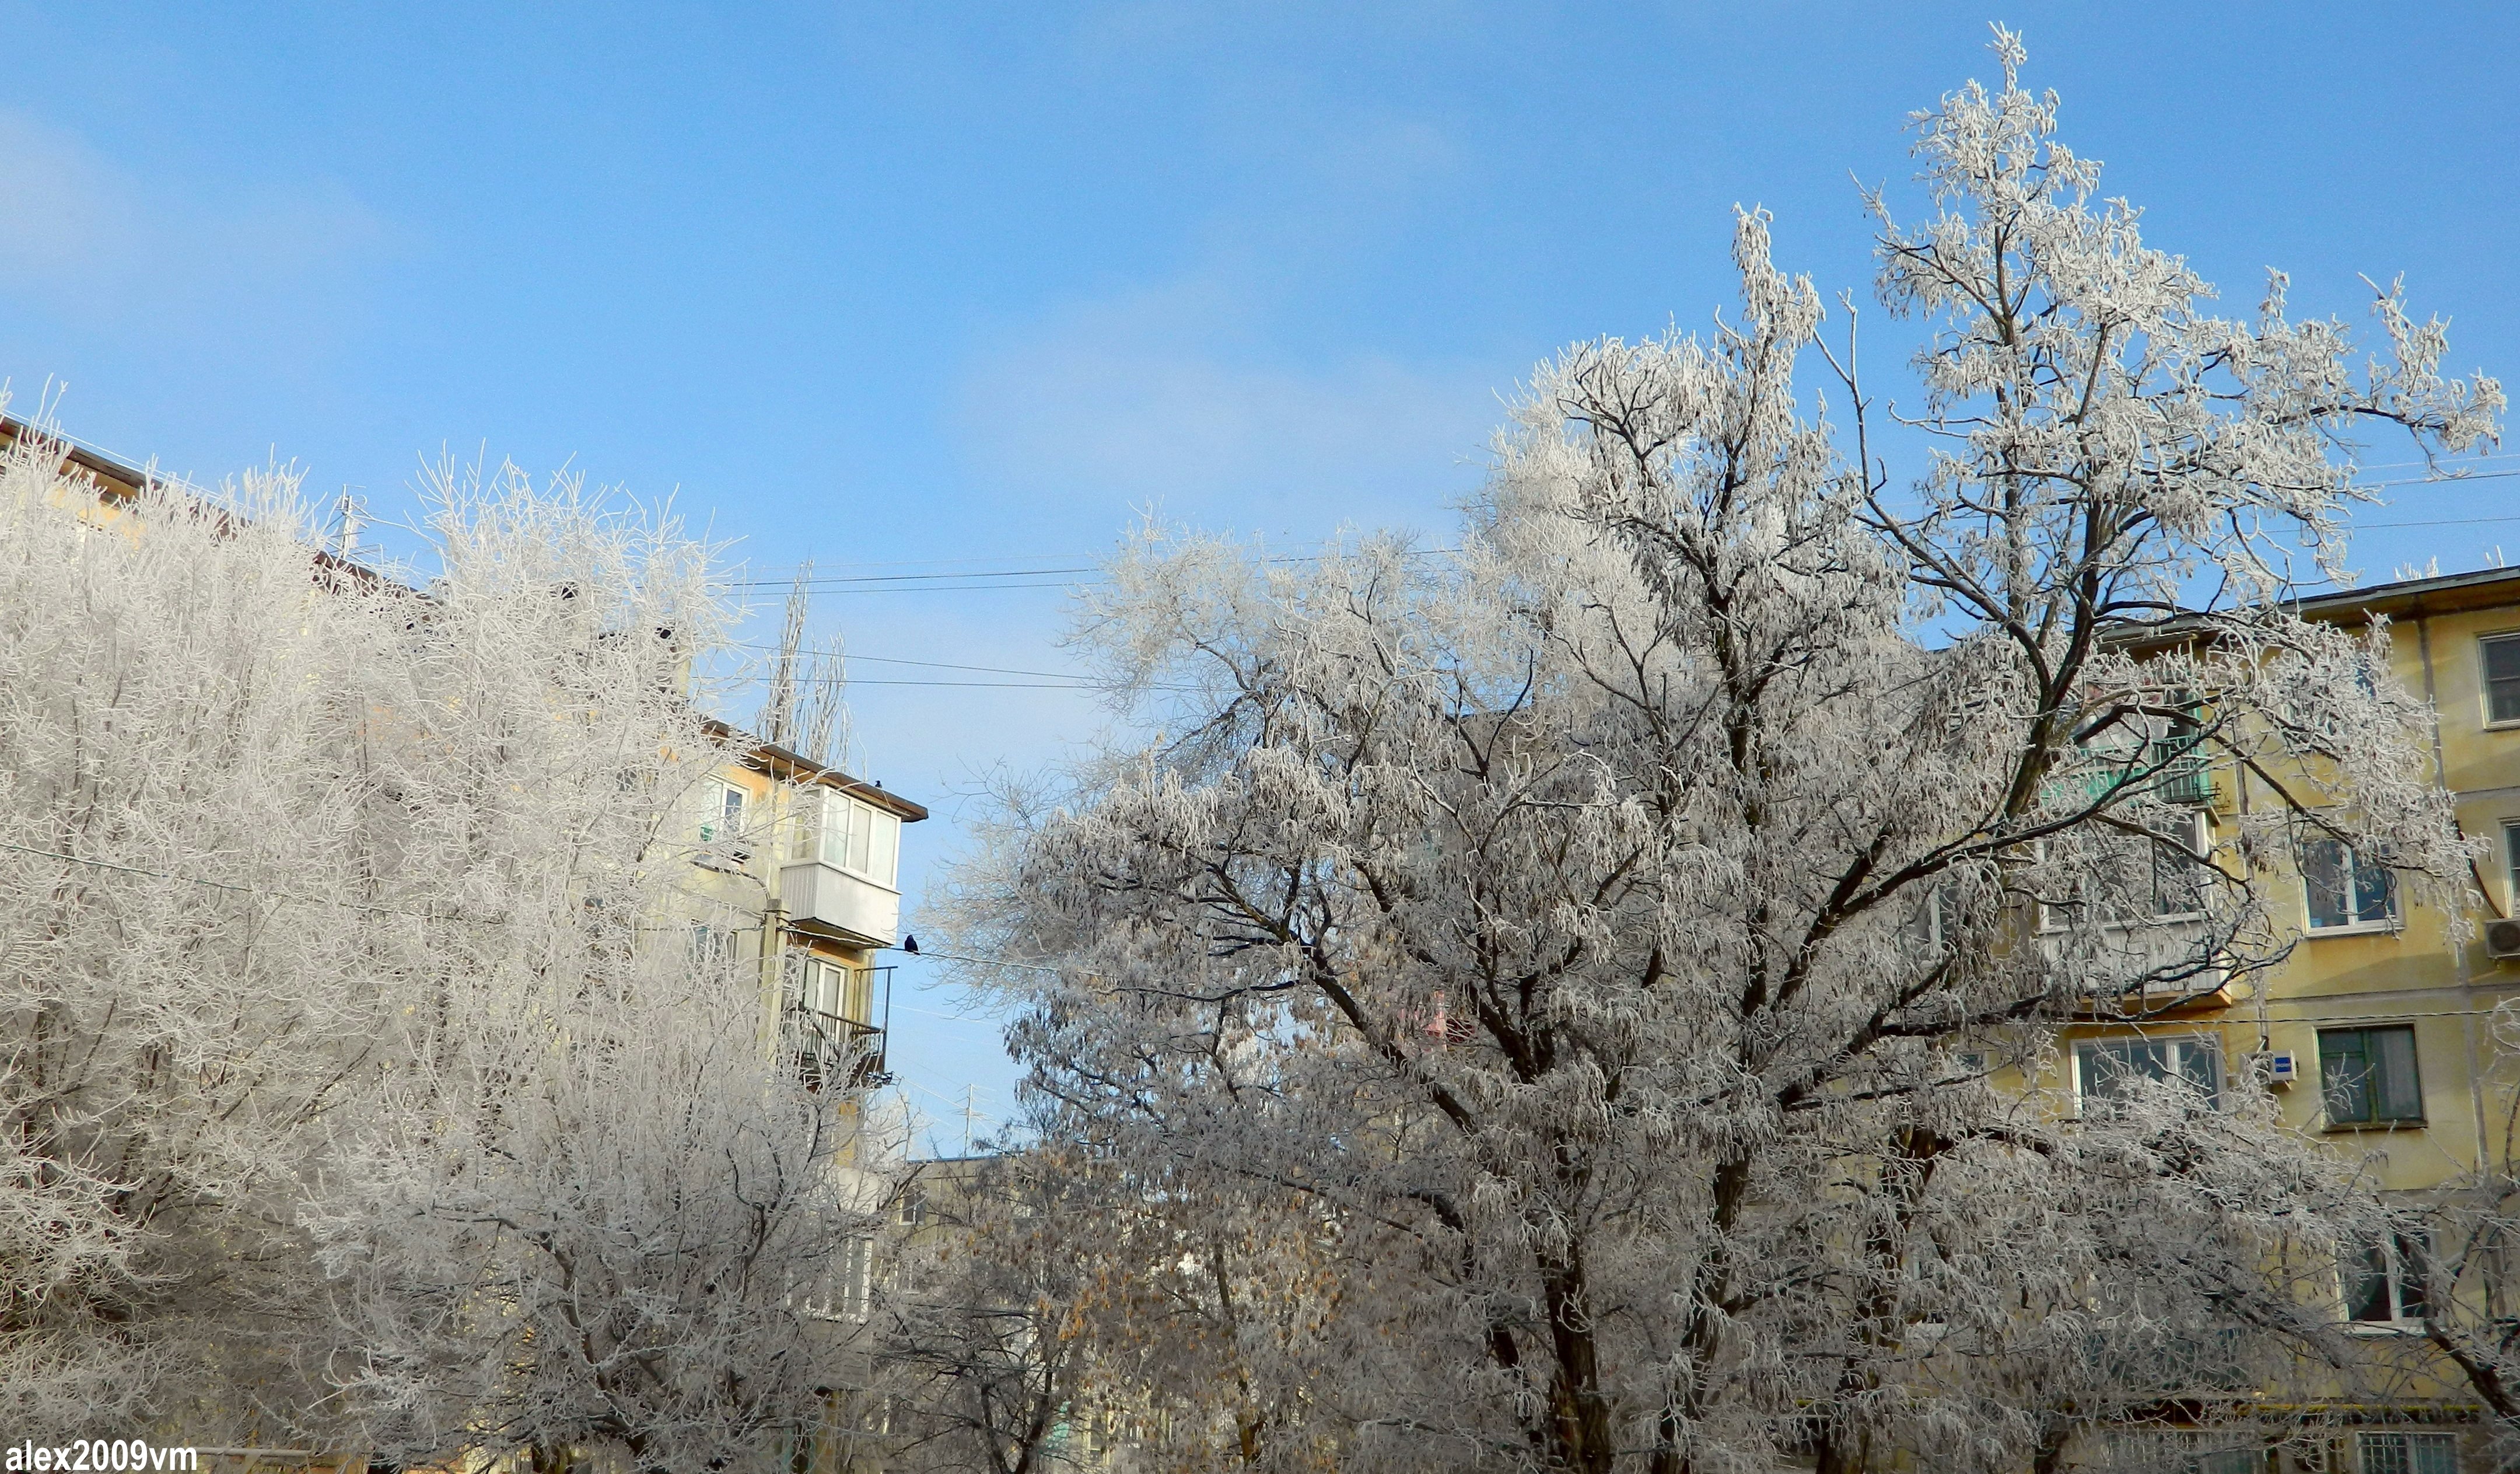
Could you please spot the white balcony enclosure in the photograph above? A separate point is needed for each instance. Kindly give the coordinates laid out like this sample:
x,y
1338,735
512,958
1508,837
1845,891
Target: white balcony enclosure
x,y
840,871
822,897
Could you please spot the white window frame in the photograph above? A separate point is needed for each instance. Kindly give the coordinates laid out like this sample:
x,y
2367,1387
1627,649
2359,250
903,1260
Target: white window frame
x,y
2485,680
857,1277
1925,924
2398,1323
2390,921
2201,845
2184,1451
714,947
827,825
721,827
2210,1043
2373,1441
722,821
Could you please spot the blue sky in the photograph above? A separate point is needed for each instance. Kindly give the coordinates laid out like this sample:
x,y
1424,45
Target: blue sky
x,y
956,288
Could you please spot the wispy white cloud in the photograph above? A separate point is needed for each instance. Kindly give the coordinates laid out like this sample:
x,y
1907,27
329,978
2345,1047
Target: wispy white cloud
x,y
1114,406
1226,388
82,233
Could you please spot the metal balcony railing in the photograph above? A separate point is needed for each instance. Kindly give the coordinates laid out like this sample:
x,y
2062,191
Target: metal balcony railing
x,y
846,1054
835,1049
2176,769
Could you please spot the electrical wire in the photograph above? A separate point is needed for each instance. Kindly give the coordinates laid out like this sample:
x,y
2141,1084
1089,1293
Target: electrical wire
x,y
989,685
1078,575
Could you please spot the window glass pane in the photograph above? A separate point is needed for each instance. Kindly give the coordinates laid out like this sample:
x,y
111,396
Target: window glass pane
x,y
2178,886
2111,1066
2511,866
2433,1452
801,838
2397,1094
2365,1276
861,831
879,863
2372,886
837,814
2410,1276
2345,1073
2200,1064
2323,875
2502,680
2385,1454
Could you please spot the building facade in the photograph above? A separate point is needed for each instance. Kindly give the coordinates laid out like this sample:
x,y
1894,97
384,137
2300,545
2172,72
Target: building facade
x,y
2379,1032
795,874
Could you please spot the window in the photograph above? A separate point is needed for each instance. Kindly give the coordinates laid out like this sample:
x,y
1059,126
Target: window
x,y
2108,1070
2180,1454
2367,1076
804,827
2501,677
712,947
2346,890
726,817
2139,879
1928,924
857,1277
834,990
841,831
2409,1453
2384,1283
2511,866
2179,869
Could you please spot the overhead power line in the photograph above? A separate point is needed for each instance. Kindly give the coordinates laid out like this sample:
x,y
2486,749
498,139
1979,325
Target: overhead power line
x,y
820,581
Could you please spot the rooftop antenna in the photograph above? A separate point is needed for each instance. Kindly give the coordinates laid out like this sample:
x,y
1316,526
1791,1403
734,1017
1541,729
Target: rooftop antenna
x,y
350,509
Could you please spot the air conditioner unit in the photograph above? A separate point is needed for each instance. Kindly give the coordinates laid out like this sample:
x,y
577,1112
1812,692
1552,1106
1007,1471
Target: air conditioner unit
x,y
2502,937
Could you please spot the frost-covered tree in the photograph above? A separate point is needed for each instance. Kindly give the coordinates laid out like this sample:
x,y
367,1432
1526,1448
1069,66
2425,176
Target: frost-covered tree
x,y
1041,1308
634,1243
977,1321
1644,930
182,786
360,1083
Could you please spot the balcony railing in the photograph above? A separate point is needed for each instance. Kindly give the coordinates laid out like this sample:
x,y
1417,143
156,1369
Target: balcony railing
x,y
843,1049
846,1054
2169,1362
2176,771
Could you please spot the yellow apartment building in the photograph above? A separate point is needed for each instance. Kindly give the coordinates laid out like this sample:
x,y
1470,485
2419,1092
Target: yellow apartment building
x,y
793,876
795,872
794,867
2377,1029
